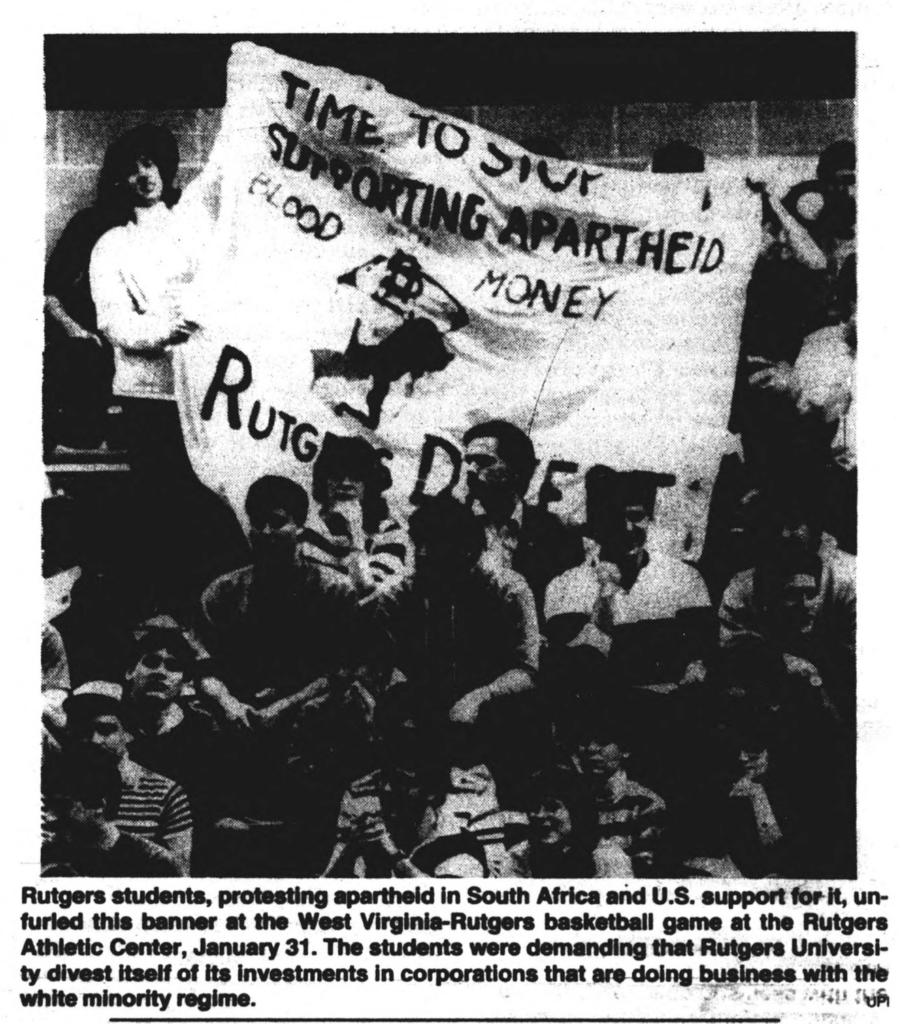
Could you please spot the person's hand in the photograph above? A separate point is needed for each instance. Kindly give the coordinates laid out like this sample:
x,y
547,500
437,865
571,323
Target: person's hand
x,y
746,787
466,710
232,825
772,376
237,712
265,717
372,829
802,670
695,672
87,826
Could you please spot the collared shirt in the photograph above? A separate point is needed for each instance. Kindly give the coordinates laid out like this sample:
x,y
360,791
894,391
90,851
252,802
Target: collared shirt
x,y
664,586
502,539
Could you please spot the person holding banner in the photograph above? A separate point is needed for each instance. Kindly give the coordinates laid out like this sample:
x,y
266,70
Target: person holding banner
x,y
137,270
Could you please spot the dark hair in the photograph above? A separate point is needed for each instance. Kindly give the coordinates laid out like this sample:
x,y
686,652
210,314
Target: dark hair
x,y
84,707
514,446
795,502
543,145
677,157
356,458
160,638
152,141
270,492
87,776
442,522
59,540
837,156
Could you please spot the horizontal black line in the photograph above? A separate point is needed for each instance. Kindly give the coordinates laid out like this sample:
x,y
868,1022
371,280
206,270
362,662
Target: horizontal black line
x,y
458,1020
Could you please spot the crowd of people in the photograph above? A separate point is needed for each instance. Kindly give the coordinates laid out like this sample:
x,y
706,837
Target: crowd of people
x,y
473,689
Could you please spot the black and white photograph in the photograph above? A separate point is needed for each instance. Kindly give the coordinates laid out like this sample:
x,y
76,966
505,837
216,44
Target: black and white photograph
x,y
449,457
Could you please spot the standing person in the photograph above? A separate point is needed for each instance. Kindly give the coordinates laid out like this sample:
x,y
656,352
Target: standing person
x,y
78,362
139,273
136,272
528,539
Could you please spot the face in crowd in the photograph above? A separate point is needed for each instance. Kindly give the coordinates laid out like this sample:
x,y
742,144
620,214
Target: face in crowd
x,y
144,182
488,471
792,574
622,530
551,822
500,462
273,536
600,760
157,677
276,510
343,489
101,731
58,592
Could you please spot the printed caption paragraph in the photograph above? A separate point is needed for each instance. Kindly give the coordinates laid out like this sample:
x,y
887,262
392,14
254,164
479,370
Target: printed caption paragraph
x,y
152,948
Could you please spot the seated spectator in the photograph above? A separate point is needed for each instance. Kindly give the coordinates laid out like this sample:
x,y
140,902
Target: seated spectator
x,y
799,598
390,818
621,583
267,625
526,538
171,735
146,805
616,818
81,839
468,633
354,541
553,852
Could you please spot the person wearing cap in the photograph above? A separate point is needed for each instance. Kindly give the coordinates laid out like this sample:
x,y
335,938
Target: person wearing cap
x,y
528,539
799,598
147,805
620,581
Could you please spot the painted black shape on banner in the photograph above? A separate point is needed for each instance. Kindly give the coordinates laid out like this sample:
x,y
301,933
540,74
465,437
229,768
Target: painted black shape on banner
x,y
402,284
413,348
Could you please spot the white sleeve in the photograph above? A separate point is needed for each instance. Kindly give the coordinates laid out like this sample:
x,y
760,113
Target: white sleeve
x,y
119,317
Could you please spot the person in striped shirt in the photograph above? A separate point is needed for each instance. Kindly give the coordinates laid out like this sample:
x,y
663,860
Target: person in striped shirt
x,y
358,548
147,806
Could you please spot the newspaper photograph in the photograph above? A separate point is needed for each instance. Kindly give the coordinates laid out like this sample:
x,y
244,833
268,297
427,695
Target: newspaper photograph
x,y
449,533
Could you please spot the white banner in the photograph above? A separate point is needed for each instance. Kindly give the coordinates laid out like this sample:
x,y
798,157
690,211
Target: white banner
x,y
598,309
